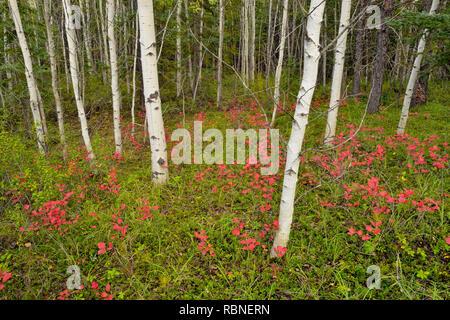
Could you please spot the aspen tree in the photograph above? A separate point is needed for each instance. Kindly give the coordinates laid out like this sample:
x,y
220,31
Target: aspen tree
x,y
338,71
178,44
75,75
31,81
414,74
54,74
150,81
115,88
280,60
304,97
220,54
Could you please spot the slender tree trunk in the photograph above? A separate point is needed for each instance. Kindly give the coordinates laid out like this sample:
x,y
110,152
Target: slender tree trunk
x,y
414,75
379,66
279,69
158,146
31,81
178,53
252,9
305,94
133,101
220,54
63,45
245,41
324,56
75,74
190,67
200,56
269,42
338,71
115,87
54,74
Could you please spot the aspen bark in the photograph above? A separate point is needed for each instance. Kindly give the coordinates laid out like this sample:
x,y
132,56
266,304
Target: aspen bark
x,y
190,68
133,101
279,69
252,48
155,122
200,57
178,53
75,75
338,71
31,81
414,74
305,94
54,75
220,54
115,87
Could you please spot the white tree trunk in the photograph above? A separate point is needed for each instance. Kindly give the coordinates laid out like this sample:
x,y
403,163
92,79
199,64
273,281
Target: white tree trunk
x,y
269,43
252,45
245,41
279,69
115,88
324,56
133,101
54,74
178,53
190,68
200,56
31,81
414,74
63,44
338,71
305,94
158,146
220,54
75,75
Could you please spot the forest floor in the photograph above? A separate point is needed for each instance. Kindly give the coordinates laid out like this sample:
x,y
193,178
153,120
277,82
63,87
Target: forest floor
x,y
377,199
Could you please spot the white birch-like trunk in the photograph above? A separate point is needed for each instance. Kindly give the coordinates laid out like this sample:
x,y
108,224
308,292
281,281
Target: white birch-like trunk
x,y
305,94
150,81
74,72
338,71
115,88
252,47
133,101
324,56
220,54
276,95
63,44
178,53
200,57
190,68
414,74
269,40
31,81
54,75
245,41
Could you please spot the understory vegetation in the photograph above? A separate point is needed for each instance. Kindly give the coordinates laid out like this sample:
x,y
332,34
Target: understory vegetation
x,y
376,198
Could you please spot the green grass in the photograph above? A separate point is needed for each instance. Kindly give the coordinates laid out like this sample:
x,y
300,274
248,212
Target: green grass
x,y
158,257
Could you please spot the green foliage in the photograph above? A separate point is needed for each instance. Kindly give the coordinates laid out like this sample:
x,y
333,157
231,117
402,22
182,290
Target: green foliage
x,y
438,25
